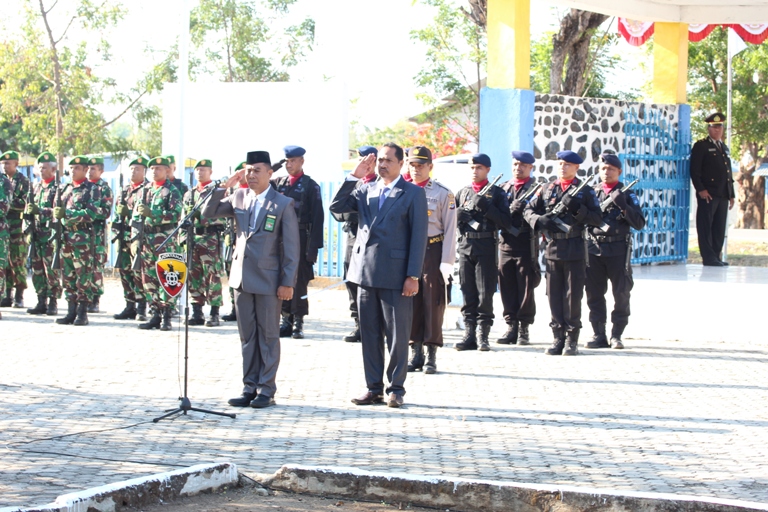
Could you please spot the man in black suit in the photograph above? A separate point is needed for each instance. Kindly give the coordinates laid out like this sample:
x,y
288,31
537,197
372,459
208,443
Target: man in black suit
x,y
386,264
712,178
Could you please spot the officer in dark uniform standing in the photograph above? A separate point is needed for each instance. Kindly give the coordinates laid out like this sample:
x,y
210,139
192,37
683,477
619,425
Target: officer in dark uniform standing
x,y
308,203
350,221
565,252
479,219
519,272
610,251
713,180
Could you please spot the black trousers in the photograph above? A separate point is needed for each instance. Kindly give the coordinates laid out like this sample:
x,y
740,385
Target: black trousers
x,y
478,277
306,273
351,287
565,288
518,278
429,303
711,218
601,270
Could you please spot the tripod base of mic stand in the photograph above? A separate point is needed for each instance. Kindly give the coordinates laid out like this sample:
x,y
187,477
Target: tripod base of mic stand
x,y
185,406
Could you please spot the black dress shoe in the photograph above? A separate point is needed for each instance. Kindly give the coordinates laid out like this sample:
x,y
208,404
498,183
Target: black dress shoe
x,y
725,263
713,264
369,398
262,401
395,400
243,400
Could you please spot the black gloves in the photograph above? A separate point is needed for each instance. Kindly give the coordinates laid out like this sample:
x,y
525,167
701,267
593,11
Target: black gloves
x,y
619,198
517,206
572,204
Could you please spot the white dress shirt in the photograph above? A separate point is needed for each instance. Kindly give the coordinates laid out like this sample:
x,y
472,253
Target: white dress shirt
x,y
255,201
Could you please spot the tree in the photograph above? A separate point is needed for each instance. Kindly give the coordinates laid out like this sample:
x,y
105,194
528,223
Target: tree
x,y
443,139
571,63
236,41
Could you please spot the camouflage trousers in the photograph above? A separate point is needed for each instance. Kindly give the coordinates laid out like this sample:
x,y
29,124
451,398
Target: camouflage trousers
x,y
101,261
16,265
205,275
153,292
133,289
3,257
45,279
77,261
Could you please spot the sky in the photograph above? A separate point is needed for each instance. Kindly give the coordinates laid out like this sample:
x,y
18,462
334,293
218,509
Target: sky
x,y
356,43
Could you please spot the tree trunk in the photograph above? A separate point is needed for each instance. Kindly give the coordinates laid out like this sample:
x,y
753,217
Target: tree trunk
x,y
750,194
571,46
56,89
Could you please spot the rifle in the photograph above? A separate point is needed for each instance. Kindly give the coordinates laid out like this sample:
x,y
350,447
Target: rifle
x,y
31,228
139,225
525,198
120,236
609,201
559,208
56,235
471,209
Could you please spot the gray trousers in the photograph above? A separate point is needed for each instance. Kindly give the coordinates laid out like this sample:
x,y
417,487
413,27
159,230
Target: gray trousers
x,y
258,322
385,315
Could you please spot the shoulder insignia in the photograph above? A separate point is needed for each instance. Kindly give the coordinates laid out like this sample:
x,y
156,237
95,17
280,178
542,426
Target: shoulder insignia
x,y
451,201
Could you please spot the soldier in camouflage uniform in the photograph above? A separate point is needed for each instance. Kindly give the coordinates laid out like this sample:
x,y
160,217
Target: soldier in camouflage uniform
x,y
5,203
133,289
160,211
39,215
229,250
16,266
179,183
104,211
78,210
205,272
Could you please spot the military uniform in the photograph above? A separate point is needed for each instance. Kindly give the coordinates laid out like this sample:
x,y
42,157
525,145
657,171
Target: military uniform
x,y
479,220
519,272
45,279
104,212
565,255
711,171
308,204
16,266
78,252
5,202
205,274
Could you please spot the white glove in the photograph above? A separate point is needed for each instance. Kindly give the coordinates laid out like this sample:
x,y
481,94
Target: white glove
x,y
447,270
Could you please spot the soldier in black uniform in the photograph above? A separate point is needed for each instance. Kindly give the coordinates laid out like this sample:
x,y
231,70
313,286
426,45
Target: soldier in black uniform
x,y
565,251
479,219
610,251
713,180
350,228
519,272
308,203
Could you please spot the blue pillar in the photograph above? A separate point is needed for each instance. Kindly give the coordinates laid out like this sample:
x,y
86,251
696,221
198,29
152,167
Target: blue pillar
x,y
506,125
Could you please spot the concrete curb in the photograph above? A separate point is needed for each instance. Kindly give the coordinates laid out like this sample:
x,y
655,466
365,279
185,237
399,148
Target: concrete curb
x,y
138,492
486,496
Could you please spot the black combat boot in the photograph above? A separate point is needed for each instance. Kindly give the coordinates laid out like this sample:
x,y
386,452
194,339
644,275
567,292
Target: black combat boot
x,y
599,340
71,313
558,343
129,313
40,308
167,314
18,298
523,338
231,317
417,357
485,331
510,337
571,343
213,320
354,335
141,311
616,331
286,325
298,327
198,318
469,341
93,306
53,307
154,322
82,314
430,366
7,301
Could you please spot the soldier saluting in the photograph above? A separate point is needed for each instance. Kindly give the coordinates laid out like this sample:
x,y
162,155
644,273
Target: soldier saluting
x,y
562,211
308,204
610,250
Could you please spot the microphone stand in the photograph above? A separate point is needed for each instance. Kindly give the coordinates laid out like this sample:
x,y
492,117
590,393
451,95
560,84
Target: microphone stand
x,y
187,223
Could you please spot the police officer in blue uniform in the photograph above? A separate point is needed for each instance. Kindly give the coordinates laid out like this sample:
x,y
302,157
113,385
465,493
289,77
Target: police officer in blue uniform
x,y
308,203
565,251
610,251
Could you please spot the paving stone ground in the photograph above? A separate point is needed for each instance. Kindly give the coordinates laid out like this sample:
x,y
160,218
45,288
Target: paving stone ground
x,y
684,409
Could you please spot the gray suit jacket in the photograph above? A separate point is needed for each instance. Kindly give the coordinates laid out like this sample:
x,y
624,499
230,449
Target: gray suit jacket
x,y
391,243
262,260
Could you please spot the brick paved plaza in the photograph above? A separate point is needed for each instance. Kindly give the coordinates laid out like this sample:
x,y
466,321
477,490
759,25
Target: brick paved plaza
x,y
683,410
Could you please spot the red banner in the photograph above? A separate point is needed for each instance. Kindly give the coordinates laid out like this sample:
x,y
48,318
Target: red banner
x,y
638,32
699,32
635,32
754,33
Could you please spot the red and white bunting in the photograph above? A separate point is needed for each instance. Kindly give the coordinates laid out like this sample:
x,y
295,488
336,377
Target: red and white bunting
x,y
754,33
638,32
635,32
697,32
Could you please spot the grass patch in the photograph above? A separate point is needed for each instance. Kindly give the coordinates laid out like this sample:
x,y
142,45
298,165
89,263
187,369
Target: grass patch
x,y
740,253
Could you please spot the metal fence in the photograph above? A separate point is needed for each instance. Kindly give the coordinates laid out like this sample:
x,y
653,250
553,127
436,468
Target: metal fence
x,y
657,153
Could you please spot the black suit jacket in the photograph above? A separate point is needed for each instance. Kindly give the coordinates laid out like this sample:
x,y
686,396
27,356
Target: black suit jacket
x,y
711,169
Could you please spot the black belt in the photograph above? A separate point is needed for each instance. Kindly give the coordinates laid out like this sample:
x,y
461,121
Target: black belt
x,y
435,239
208,229
606,239
157,229
484,234
305,226
563,236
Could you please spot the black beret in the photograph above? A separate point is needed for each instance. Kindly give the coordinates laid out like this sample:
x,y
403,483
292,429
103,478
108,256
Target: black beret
x,y
294,151
611,159
524,157
570,157
481,159
367,150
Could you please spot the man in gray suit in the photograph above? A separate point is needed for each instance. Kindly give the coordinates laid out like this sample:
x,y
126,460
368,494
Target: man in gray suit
x,y
263,273
386,264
